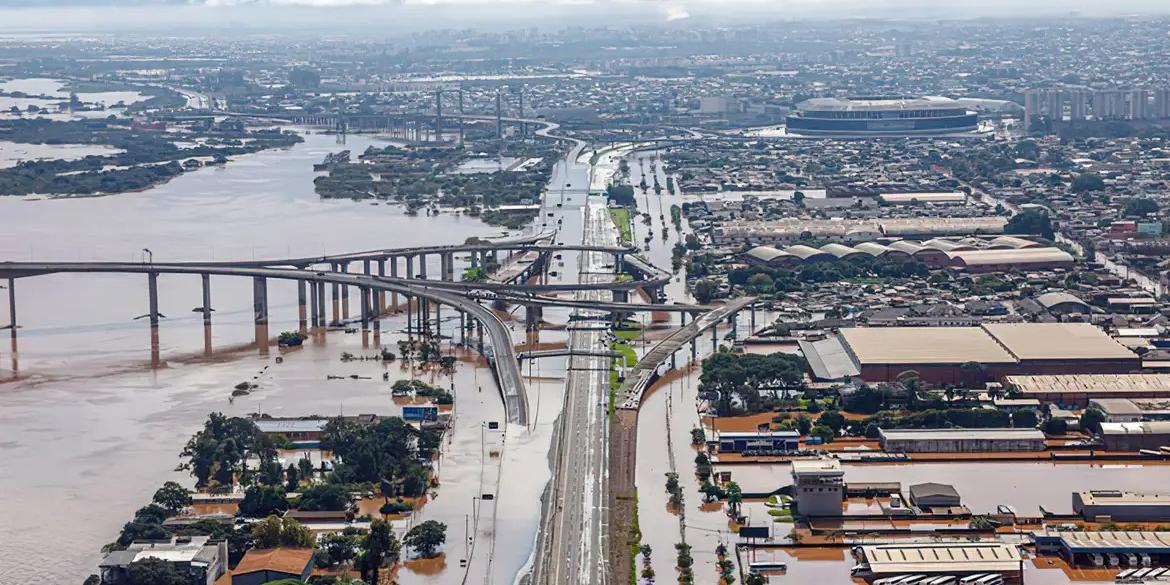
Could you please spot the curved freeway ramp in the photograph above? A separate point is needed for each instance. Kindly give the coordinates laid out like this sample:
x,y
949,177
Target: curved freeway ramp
x,y
503,358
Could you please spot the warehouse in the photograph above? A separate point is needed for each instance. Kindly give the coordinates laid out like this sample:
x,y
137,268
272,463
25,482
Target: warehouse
x,y
947,355
934,495
1126,410
1118,506
1079,389
1135,436
1088,549
759,443
886,560
960,440
1006,260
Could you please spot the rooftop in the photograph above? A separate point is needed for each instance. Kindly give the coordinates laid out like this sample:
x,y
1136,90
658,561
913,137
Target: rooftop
x,y
926,558
816,467
1038,341
918,345
284,560
1112,497
1005,434
1091,383
870,103
1113,540
1136,428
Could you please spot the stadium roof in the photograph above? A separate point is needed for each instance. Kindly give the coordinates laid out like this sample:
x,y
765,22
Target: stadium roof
x,y
923,345
877,103
1041,341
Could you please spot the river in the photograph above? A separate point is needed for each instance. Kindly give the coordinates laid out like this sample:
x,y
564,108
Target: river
x,y
88,430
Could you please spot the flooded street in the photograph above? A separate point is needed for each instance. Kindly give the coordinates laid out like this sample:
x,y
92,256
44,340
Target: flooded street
x,y
88,430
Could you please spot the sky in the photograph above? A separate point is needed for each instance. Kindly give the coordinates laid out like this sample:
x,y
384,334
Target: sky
x,y
397,16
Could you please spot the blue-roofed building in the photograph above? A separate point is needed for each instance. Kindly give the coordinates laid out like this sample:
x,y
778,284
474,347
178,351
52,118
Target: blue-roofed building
x,y
759,443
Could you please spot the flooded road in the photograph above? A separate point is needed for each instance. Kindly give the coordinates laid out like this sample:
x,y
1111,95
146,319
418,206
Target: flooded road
x,y
88,430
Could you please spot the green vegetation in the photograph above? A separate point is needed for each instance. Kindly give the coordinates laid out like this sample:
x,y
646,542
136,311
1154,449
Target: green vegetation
x,y
634,540
147,158
621,195
621,219
426,537
1030,222
216,453
390,452
740,378
629,356
274,532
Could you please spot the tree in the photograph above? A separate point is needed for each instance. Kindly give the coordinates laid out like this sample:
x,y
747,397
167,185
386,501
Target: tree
x,y
1086,182
338,548
172,497
798,198
152,571
325,496
803,424
1141,206
1031,221
1025,419
1091,420
832,419
218,451
425,538
305,469
622,195
292,477
274,532
1055,426
734,497
698,437
705,290
263,500
755,579
760,284
825,434
379,546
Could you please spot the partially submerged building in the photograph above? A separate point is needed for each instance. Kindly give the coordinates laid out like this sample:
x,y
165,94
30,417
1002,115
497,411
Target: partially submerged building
x,y
956,559
1119,506
961,440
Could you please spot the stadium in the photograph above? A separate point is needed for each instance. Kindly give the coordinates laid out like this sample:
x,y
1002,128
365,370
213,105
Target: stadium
x,y
881,116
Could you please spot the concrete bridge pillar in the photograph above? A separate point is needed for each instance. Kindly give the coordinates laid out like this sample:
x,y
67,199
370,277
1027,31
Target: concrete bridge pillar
x,y
345,293
532,317
462,328
621,296
479,335
422,266
376,317
394,274
381,293
753,319
260,299
409,317
314,316
152,288
715,336
206,280
475,259
321,304
12,305
302,308
682,318
410,267
619,263
364,307
335,290
260,308
366,267
449,273
733,320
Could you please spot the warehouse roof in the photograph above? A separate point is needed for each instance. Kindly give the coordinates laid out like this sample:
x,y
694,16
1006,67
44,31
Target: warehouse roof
x,y
1039,341
933,558
1011,256
1090,383
1052,299
766,253
291,425
923,345
1112,541
940,197
1119,498
931,489
1004,434
1158,427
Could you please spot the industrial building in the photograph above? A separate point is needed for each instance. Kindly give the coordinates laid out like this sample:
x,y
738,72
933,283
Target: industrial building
x,y
881,116
1135,410
1119,506
758,443
1135,436
961,440
1113,549
936,253
934,495
945,355
818,487
793,230
958,559
1079,389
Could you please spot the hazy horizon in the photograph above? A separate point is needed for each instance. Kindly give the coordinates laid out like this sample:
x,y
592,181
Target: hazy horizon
x,y
404,16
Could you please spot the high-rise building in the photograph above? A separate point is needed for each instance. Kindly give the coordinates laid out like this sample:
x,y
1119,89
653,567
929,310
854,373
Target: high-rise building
x,y
1054,105
1031,106
1162,103
1078,104
1139,100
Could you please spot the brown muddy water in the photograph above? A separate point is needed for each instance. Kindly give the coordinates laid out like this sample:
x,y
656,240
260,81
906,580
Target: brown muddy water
x,y
88,430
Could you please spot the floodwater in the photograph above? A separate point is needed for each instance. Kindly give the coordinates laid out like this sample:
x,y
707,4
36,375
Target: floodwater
x,y
983,485
88,430
12,153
